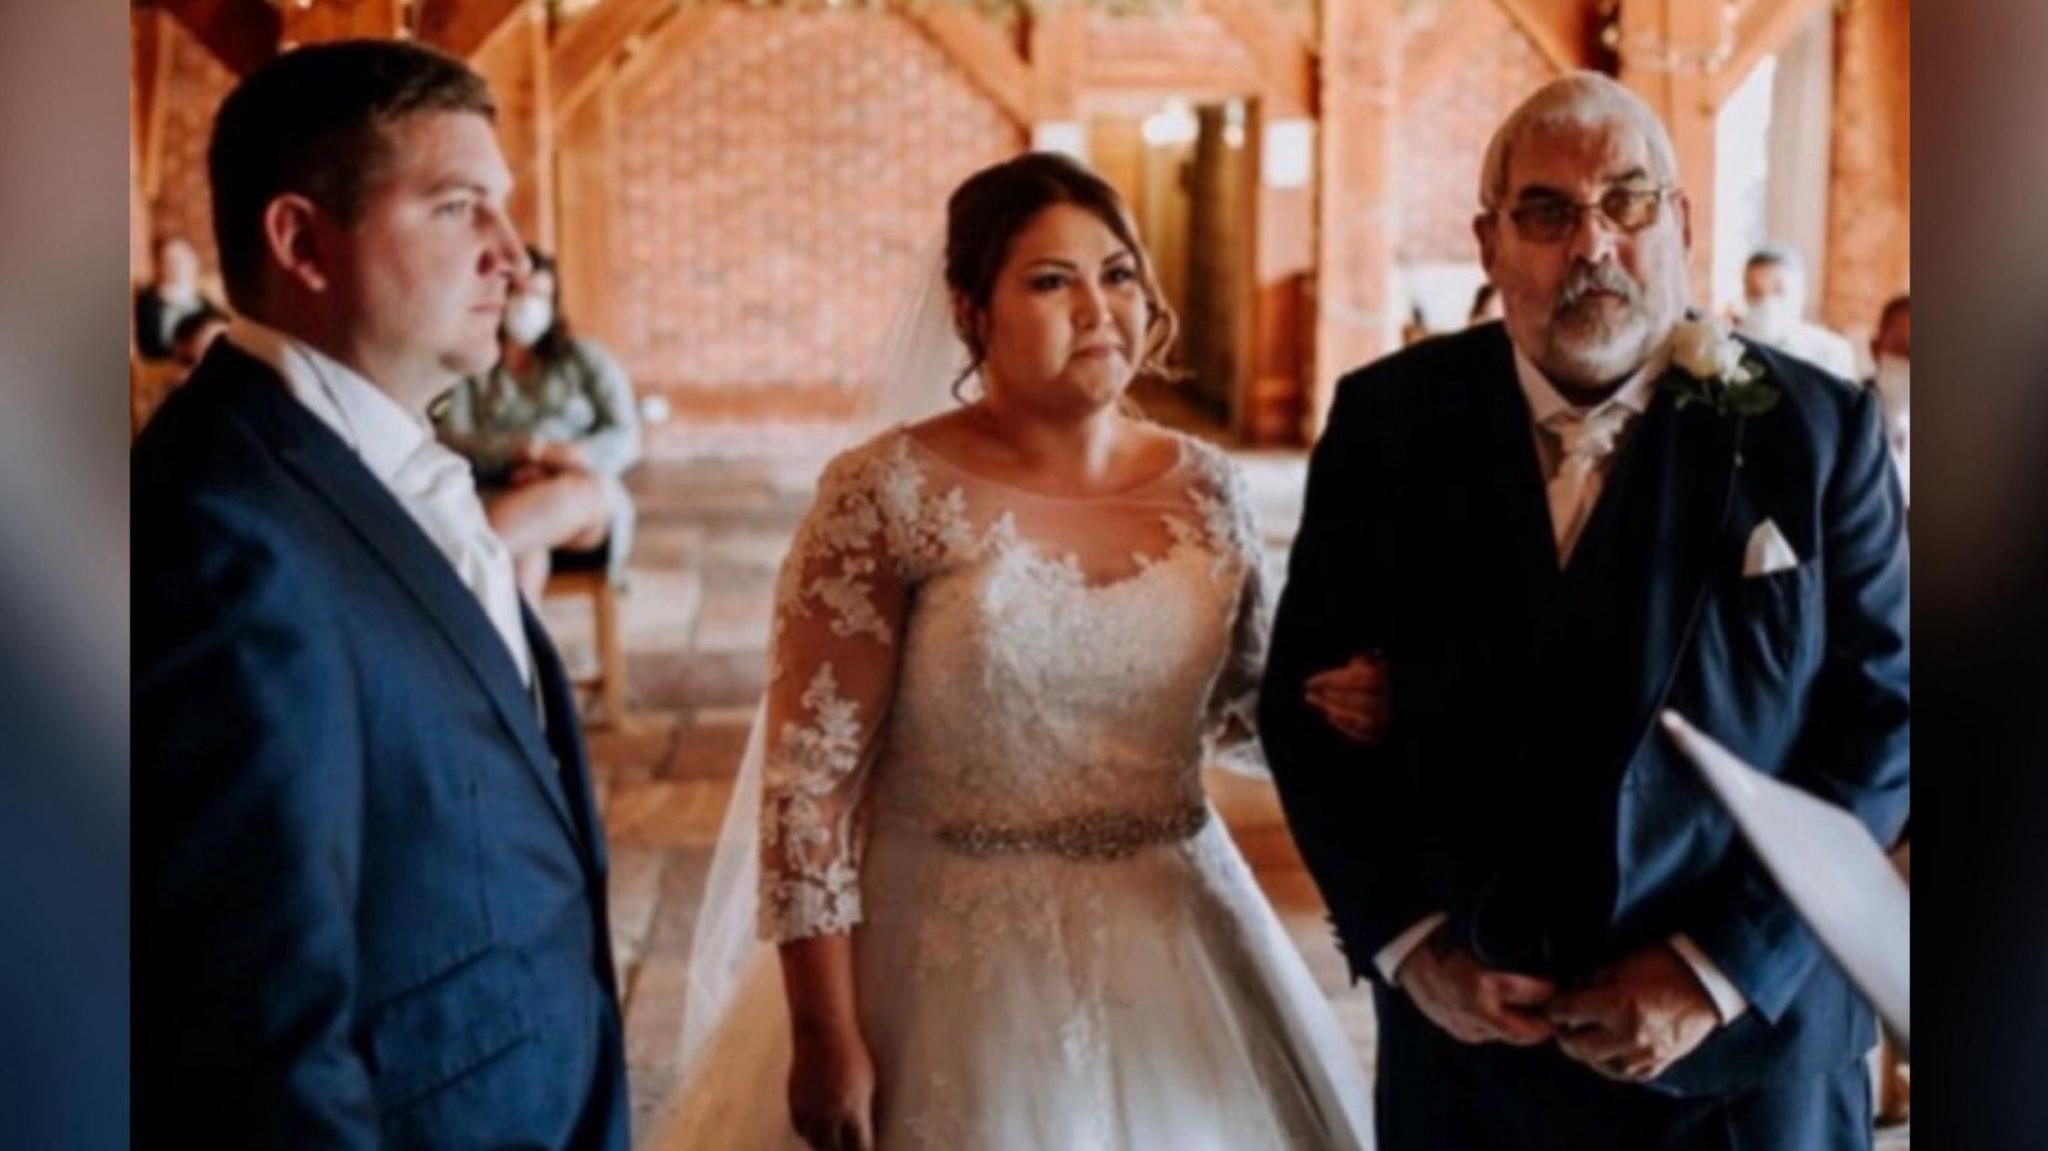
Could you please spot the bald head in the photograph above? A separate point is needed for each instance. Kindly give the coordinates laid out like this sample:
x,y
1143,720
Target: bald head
x,y
1581,102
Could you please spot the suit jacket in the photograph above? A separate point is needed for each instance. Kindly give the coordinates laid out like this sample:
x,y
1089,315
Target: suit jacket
x,y
369,880
1520,786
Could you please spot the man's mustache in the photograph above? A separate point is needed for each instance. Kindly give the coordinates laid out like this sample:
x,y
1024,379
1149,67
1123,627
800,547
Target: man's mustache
x,y
1586,279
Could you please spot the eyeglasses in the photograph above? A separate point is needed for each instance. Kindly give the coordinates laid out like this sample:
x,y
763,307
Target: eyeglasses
x,y
1549,219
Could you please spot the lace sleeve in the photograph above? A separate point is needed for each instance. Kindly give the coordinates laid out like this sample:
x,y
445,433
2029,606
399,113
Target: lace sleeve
x,y
1234,701
839,605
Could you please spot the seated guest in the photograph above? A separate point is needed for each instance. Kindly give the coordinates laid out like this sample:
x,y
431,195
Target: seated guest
x,y
1774,313
1485,305
194,334
1891,349
550,430
169,299
1416,329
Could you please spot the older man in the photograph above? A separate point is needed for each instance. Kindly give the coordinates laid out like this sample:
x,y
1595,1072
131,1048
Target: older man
x,y
1520,545
369,877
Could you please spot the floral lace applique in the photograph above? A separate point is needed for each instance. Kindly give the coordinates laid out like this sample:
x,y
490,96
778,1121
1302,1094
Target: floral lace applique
x,y
831,562
811,836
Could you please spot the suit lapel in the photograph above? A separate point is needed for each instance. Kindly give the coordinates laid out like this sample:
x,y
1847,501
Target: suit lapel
x,y
1505,470
1669,531
564,730
337,476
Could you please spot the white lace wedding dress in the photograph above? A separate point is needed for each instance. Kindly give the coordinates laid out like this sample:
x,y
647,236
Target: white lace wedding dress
x,y
986,718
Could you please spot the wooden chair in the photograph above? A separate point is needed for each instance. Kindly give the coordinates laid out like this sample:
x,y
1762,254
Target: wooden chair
x,y
609,681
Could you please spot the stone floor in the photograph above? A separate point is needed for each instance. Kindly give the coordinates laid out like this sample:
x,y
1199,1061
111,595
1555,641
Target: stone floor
x,y
714,526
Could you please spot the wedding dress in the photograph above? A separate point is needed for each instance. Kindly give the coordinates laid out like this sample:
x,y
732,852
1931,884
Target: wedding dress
x,y
987,714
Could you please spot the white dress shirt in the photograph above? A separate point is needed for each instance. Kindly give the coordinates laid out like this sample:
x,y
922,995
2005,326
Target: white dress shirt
x,y
433,484
1548,407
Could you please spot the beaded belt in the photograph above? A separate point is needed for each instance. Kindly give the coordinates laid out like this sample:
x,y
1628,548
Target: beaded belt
x,y
1090,835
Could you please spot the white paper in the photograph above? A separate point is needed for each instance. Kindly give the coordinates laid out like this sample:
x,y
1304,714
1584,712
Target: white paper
x,y
1827,864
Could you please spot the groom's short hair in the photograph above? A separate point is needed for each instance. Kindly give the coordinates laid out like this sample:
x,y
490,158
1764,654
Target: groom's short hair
x,y
312,122
1583,99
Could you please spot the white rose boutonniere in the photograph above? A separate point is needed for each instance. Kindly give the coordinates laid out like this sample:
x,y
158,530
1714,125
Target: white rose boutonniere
x,y
1710,366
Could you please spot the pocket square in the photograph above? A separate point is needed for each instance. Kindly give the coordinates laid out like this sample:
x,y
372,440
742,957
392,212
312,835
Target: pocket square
x,y
1767,552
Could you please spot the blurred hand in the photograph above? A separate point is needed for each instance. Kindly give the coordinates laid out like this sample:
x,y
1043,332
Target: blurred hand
x,y
1635,1017
1353,698
553,455
523,474
1471,1002
832,1091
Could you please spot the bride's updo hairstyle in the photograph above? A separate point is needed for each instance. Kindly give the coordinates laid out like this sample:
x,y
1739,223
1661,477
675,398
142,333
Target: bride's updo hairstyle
x,y
983,218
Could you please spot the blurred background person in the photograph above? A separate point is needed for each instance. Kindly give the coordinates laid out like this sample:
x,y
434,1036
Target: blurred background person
x,y
172,296
194,334
1891,350
1485,305
1416,329
550,430
1774,312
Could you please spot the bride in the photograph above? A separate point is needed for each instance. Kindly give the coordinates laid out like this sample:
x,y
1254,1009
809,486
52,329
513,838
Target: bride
x,y
972,820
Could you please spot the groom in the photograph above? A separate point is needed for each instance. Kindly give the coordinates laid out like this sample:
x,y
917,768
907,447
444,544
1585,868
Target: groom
x,y
369,879
1522,546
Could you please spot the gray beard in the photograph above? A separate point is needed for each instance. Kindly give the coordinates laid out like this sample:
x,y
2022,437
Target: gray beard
x,y
1590,368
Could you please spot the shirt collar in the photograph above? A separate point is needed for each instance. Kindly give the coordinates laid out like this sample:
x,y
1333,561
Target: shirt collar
x,y
1546,401
383,433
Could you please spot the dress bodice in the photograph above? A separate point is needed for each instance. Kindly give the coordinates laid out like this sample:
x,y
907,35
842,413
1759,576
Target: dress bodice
x,y
1003,669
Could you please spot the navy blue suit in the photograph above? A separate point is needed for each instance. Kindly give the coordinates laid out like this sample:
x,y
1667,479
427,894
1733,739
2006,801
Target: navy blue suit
x,y
369,879
1521,786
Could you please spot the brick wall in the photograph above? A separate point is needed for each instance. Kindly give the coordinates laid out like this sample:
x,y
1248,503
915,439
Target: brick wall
x,y
777,178
195,83
1443,128
1870,202
776,184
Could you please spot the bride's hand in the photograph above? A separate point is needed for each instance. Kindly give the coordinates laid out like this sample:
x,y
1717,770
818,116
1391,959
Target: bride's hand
x,y
832,1091
1353,698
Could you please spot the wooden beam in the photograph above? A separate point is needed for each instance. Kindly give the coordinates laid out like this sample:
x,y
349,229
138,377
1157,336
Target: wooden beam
x,y
991,62
1356,203
461,27
1194,80
1870,180
1666,47
1057,50
240,33
544,210
585,168
1763,28
585,51
152,45
360,19
141,261
514,62
1563,31
1285,67
664,42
